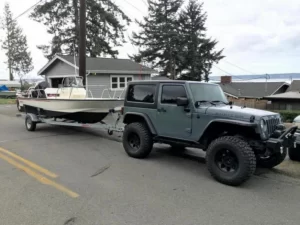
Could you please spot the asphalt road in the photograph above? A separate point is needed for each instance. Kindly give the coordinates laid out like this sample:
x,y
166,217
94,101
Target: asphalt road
x,y
65,176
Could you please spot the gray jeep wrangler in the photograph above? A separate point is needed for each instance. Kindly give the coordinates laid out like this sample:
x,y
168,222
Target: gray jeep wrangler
x,y
194,114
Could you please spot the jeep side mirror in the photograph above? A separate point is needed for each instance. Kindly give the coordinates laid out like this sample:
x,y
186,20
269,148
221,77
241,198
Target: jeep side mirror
x,y
181,101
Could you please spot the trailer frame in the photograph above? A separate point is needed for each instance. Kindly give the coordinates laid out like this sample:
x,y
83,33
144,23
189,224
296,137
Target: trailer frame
x,y
31,120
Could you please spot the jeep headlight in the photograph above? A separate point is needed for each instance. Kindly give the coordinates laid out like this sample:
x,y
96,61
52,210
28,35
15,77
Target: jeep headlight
x,y
263,125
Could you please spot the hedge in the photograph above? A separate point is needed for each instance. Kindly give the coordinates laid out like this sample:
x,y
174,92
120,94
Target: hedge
x,y
287,115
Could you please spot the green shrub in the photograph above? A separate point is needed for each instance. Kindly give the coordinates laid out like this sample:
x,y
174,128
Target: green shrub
x,y
288,115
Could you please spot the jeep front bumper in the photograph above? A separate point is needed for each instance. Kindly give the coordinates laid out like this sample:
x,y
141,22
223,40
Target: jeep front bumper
x,y
286,140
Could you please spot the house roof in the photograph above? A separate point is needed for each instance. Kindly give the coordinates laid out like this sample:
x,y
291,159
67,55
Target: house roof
x,y
295,86
251,89
160,78
103,65
286,95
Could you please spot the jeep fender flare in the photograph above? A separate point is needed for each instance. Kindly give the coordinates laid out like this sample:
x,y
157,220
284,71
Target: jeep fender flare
x,y
233,122
229,122
135,116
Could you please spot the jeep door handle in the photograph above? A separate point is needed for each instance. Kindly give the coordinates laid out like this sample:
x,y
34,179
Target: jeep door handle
x,y
161,110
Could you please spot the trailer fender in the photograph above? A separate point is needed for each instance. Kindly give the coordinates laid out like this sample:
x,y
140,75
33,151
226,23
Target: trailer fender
x,y
34,117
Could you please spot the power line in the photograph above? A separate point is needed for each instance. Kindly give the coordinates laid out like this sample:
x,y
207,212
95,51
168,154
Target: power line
x,y
247,71
27,10
237,77
222,70
134,6
145,2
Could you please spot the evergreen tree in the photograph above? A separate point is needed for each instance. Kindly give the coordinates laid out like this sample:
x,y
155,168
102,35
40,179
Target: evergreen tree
x,y
103,26
15,46
158,37
197,51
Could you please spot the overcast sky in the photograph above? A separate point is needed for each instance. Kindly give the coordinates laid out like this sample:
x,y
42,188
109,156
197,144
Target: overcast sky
x,y
259,36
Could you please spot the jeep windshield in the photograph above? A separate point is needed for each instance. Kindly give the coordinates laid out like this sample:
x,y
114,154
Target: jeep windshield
x,y
208,93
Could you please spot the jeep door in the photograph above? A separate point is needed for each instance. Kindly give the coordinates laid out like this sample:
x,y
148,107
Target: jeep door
x,y
171,120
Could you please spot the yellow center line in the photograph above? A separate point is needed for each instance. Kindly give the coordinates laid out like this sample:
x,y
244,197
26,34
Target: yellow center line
x,y
31,164
39,177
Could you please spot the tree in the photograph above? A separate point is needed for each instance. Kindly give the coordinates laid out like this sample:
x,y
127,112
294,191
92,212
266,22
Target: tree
x,y
19,59
197,51
104,29
158,37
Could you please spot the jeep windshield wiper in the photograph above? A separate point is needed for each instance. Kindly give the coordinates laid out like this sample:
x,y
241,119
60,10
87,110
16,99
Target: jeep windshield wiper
x,y
197,103
218,101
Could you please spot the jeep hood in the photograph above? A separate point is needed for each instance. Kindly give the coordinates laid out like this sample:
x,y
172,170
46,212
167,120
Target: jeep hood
x,y
237,112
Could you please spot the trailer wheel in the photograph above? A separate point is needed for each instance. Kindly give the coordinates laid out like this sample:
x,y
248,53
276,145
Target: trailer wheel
x,y
30,125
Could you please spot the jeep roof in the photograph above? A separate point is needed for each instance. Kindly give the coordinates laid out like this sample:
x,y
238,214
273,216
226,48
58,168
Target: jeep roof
x,y
169,81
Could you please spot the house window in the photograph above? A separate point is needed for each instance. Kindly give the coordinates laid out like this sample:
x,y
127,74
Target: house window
x,y
120,82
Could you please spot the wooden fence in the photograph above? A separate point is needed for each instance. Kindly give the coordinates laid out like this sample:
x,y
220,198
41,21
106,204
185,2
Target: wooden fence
x,y
250,103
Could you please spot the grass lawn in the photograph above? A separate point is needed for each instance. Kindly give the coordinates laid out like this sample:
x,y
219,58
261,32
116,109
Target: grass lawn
x,y
4,101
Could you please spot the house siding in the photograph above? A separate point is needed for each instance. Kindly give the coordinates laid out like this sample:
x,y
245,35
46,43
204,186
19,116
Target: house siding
x,y
99,85
59,68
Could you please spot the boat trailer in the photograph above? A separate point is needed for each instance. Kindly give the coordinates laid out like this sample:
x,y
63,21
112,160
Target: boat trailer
x,y
31,121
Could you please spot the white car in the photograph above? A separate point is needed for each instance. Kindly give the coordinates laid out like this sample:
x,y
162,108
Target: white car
x,y
296,121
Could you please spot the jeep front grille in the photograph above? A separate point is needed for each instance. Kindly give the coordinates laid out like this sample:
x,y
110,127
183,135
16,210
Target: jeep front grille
x,y
271,123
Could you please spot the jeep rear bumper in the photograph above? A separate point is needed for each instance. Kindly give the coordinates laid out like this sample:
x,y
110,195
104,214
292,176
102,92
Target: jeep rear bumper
x,y
286,140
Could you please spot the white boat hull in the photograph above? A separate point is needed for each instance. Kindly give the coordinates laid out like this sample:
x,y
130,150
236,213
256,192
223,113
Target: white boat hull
x,y
82,110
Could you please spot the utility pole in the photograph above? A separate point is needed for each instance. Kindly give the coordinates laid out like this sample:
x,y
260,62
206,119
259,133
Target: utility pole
x,y
266,86
82,41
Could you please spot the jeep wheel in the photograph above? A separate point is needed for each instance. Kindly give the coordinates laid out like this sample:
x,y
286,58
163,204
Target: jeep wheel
x,y
137,140
271,161
230,160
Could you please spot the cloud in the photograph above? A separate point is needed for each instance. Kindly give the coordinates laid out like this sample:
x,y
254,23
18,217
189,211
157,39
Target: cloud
x,y
260,35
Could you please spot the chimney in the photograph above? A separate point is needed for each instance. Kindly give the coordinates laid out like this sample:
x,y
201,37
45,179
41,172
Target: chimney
x,y
226,79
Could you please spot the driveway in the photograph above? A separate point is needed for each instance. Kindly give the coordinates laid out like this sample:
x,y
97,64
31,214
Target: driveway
x,y
58,175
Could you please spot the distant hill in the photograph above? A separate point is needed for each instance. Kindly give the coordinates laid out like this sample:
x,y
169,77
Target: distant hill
x,y
288,77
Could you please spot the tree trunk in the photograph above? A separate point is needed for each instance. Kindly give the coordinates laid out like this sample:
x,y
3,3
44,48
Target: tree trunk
x,y
11,77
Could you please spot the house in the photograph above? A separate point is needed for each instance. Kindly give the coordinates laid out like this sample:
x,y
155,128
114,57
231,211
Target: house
x,y
290,100
251,90
105,77
251,94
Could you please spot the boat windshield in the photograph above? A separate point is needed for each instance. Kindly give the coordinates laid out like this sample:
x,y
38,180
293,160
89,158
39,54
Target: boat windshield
x,y
79,81
73,82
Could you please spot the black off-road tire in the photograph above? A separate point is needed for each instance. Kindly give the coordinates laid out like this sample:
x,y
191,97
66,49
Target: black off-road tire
x,y
243,153
294,154
141,131
272,161
29,124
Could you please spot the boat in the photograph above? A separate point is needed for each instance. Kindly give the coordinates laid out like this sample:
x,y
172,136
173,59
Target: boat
x,y
70,101
6,93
